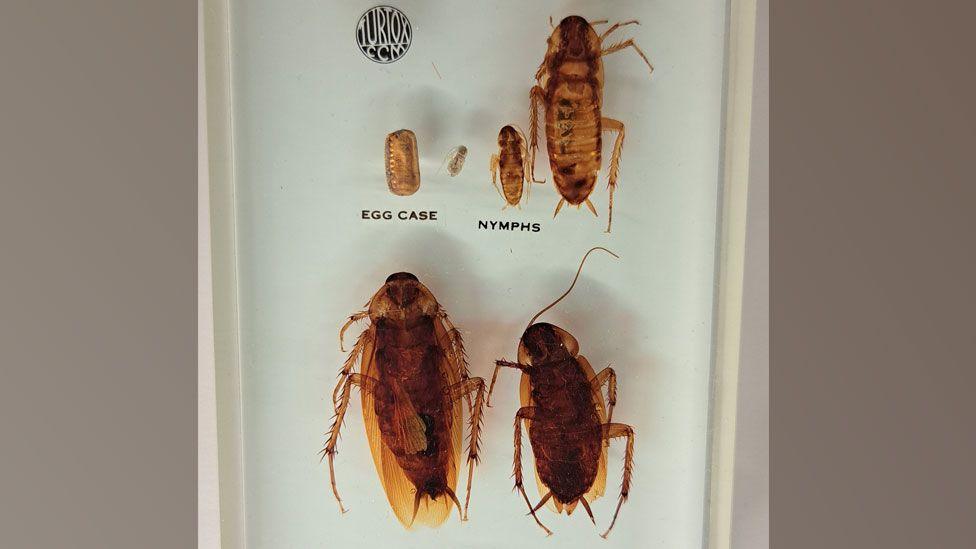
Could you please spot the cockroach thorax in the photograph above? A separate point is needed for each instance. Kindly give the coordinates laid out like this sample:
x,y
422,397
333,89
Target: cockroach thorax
x,y
402,297
543,342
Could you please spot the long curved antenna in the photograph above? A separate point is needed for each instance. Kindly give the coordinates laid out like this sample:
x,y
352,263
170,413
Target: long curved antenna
x,y
566,293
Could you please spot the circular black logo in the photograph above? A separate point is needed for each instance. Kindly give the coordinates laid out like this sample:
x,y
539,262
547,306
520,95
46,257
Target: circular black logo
x,y
384,34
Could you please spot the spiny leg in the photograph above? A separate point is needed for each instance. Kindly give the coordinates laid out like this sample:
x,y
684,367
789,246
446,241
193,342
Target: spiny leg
x,y
629,43
499,364
471,385
457,349
615,430
611,125
354,318
617,26
365,383
528,412
537,100
608,376
350,362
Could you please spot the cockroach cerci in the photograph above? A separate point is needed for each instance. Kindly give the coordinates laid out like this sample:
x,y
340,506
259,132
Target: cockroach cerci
x,y
402,163
563,409
455,160
570,91
413,376
511,165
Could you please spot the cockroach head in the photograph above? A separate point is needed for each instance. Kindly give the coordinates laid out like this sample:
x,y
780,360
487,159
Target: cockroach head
x,y
542,343
402,296
576,38
507,134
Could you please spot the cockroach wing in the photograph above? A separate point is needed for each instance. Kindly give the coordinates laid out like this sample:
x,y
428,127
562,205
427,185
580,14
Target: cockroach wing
x,y
398,488
600,482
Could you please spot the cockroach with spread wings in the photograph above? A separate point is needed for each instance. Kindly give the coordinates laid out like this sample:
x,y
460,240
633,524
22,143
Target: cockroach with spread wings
x,y
563,408
413,377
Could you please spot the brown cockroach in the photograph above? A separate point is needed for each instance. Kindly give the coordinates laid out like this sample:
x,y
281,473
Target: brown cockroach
x,y
563,408
455,160
402,163
570,91
512,166
413,376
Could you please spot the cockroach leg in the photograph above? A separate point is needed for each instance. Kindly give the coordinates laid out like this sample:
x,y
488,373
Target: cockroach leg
x,y
472,385
457,348
493,167
352,319
348,365
617,26
365,383
629,43
591,207
607,376
615,430
527,412
537,101
611,125
588,511
558,207
494,376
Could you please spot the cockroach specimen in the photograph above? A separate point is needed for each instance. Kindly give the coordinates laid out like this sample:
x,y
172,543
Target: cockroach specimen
x,y
455,160
562,405
512,165
413,375
402,163
570,90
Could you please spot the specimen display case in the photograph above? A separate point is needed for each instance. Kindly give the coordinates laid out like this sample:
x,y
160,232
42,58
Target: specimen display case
x,y
318,202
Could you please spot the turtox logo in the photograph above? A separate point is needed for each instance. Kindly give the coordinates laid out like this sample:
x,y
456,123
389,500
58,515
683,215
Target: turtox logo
x,y
384,34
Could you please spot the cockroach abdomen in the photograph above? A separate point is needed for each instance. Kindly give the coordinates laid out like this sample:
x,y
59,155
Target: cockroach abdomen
x,y
402,163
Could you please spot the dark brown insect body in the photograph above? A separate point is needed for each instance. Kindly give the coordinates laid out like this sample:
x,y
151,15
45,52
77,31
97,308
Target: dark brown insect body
x,y
413,378
562,404
511,165
570,91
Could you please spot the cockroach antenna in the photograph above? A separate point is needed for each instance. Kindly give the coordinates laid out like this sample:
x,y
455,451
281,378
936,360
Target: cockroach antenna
x,y
566,293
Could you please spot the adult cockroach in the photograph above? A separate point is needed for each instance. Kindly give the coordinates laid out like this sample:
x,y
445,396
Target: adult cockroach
x,y
512,166
563,408
412,377
570,91
455,160
402,163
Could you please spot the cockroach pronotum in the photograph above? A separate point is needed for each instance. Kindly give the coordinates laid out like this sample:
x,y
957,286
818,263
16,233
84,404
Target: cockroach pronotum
x,y
570,91
412,377
512,166
402,163
563,408
455,160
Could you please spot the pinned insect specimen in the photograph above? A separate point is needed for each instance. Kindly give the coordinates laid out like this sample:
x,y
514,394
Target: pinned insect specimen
x,y
570,91
512,166
563,409
455,160
402,163
412,377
